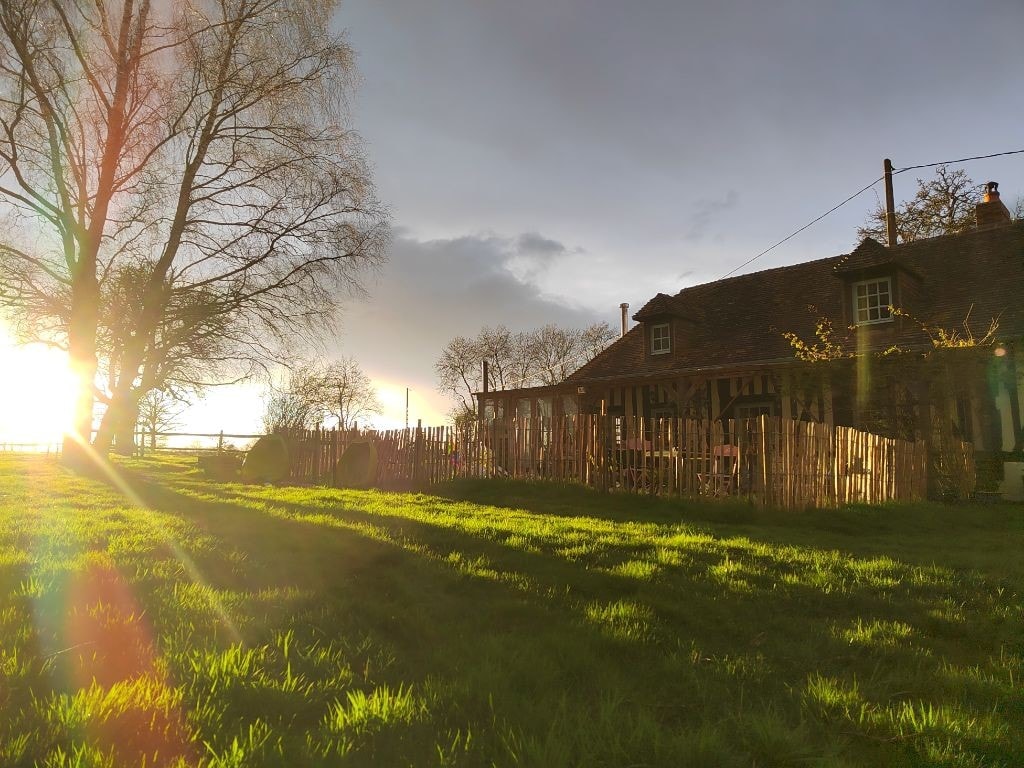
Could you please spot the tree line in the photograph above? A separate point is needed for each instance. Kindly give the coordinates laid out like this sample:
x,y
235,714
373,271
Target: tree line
x,y
543,356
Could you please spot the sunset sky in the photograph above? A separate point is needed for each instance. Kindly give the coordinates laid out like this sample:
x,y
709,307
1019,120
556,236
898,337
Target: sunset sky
x,y
545,161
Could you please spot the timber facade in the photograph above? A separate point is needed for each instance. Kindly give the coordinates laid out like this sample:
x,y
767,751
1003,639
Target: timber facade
x,y
724,350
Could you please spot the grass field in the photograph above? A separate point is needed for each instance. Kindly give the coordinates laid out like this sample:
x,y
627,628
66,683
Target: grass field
x,y
176,622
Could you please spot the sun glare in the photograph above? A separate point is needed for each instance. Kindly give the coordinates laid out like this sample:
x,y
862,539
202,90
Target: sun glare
x,y
36,393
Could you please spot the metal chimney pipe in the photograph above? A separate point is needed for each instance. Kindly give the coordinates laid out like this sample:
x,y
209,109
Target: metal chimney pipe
x,y
625,319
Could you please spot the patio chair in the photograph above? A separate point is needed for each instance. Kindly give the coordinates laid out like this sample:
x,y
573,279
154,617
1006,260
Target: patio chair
x,y
723,479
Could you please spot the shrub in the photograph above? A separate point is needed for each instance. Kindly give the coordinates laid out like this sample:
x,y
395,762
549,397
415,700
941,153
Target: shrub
x,y
267,461
357,467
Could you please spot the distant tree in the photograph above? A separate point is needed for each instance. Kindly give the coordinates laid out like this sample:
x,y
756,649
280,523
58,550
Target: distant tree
x,y
159,411
319,391
347,394
556,352
296,403
459,374
515,359
943,205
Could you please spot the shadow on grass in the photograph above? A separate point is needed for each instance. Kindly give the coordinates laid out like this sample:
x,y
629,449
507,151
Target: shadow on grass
x,y
681,626
921,533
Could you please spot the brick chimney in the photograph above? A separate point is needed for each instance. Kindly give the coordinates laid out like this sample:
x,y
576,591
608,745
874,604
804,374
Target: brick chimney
x,y
991,212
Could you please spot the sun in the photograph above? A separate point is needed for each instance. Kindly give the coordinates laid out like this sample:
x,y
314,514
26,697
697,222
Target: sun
x,y
37,392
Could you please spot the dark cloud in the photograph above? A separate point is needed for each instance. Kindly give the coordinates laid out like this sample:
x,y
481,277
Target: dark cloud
x,y
533,243
606,124
708,210
431,291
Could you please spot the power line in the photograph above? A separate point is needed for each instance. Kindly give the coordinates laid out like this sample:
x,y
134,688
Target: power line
x,y
809,224
862,191
961,160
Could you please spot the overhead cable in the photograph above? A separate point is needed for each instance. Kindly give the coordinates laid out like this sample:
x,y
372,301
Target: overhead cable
x,y
961,160
790,236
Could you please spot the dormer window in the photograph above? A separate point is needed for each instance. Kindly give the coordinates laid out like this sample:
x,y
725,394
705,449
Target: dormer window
x,y
661,339
871,301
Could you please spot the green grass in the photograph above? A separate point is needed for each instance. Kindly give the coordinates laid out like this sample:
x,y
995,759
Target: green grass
x,y
178,622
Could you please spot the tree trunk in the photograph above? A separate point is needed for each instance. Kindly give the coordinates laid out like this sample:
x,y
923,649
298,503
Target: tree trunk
x,y
124,428
82,360
117,427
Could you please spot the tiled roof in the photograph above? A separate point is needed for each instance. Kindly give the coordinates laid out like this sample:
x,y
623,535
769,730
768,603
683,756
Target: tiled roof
x,y
659,306
870,253
742,319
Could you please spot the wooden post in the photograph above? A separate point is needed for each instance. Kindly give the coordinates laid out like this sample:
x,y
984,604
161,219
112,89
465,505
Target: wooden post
x,y
481,406
417,467
890,205
220,442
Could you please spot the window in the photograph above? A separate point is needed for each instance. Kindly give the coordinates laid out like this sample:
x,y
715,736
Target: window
x,y
753,410
661,339
871,300
524,408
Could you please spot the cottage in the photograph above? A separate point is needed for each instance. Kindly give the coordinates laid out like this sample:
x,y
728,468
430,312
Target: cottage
x,y
725,349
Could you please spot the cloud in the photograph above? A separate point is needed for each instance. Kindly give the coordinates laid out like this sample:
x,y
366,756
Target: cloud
x,y
431,291
538,245
705,211
530,255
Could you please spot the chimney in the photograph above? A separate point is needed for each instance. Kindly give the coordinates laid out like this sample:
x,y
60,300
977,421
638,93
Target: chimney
x,y
625,320
991,212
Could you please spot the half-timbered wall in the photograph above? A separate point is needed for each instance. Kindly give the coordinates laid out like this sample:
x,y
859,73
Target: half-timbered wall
x,y
740,396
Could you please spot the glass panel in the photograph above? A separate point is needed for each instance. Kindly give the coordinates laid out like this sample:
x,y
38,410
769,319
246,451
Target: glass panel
x,y
872,299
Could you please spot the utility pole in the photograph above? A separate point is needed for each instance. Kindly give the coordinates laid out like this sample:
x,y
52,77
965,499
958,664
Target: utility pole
x,y
890,205
481,404
406,407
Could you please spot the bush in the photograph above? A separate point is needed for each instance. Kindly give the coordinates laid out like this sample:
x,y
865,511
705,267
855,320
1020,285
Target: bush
x,y
267,461
357,467
990,469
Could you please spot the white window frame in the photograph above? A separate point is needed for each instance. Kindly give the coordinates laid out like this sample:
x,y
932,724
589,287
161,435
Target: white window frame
x,y
661,344
863,292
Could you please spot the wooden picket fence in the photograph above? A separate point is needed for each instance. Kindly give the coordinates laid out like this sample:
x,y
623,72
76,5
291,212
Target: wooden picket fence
x,y
765,460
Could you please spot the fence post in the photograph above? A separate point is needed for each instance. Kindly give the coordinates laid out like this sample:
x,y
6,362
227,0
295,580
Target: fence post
x,y
220,442
417,467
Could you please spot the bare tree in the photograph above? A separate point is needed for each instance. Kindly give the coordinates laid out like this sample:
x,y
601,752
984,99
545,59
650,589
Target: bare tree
x,y
460,374
78,115
348,395
557,352
515,359
159,411
315,392
943,205
200,147
296,403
